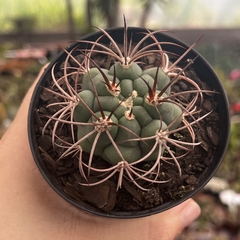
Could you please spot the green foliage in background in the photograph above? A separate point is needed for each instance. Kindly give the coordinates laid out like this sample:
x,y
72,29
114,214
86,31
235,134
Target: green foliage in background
x,y
223,57
45,14
230,167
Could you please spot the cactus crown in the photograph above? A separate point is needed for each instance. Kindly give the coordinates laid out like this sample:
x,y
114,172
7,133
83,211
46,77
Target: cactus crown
x,y
124,113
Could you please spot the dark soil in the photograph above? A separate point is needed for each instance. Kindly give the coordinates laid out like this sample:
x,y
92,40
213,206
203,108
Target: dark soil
x,y
129,197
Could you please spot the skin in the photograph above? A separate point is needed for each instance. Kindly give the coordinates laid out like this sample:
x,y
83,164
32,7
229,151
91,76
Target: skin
x,y
30,209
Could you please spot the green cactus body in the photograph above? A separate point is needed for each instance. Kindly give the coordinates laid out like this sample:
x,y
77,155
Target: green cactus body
x,y
131,116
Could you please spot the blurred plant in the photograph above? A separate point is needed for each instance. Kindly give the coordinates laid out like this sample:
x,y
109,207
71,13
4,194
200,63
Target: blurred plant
x,y
71,22
147,5
107,9
230,168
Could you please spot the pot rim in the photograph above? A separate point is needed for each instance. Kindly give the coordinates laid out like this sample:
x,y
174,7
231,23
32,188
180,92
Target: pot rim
x,y
222,147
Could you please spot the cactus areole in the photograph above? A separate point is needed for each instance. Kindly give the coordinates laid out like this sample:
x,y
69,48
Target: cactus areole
x,y
128,111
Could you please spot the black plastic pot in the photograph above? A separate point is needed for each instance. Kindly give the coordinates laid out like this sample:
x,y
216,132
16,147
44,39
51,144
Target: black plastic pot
x,y
204,72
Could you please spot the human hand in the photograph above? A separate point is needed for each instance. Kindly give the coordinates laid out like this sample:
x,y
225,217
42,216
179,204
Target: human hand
x,y
30,209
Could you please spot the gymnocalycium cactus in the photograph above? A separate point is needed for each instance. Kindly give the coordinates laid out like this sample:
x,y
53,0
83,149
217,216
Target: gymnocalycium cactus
x,y
124,113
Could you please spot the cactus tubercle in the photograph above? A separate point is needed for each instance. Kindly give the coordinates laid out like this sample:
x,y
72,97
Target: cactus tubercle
x,y
130,113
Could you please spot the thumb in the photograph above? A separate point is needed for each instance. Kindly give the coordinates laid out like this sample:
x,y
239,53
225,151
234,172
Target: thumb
x,y
170,223
189,213
164,226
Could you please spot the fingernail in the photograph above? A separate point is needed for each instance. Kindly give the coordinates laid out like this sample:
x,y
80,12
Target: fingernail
x,y
189,214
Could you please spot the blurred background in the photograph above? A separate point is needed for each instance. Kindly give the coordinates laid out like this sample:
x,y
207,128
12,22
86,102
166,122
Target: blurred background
x,y
31,33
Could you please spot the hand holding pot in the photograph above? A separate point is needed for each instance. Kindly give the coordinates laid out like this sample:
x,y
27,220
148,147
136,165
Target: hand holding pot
x,y
29,208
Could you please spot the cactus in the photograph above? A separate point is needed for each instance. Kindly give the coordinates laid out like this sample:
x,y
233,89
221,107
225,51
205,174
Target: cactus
x,y
125,114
